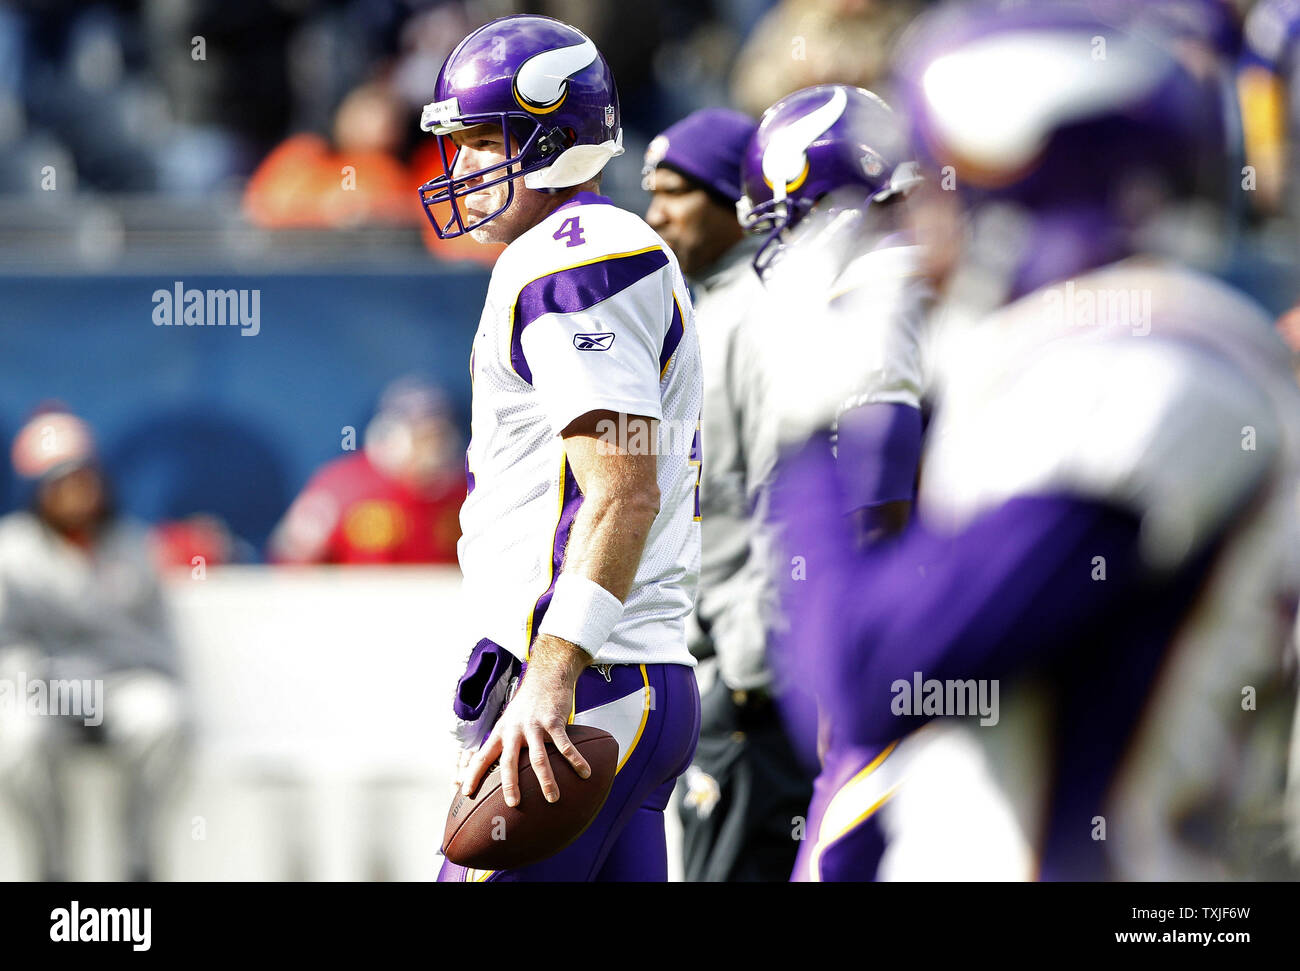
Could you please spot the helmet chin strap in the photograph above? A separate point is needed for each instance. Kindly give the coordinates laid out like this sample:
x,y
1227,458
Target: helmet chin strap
x,y
575,165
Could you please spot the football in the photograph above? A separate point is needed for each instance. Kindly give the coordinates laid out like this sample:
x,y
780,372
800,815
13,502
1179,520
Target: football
x,y
486,834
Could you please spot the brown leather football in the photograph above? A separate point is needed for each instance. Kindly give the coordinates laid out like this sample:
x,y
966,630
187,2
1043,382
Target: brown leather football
x,y
486,834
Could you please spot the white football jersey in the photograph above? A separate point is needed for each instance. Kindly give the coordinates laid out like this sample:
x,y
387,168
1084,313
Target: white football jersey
x,y
586,311
846,305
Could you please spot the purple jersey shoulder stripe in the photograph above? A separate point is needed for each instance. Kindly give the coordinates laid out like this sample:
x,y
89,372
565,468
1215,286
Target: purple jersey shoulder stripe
x,y
672,338
570,502
575,289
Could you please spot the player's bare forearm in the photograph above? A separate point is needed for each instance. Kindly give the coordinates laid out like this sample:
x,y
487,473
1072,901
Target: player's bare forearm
x,y
620,499
556,662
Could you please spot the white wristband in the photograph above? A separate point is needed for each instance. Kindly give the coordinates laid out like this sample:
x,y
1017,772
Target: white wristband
x,y
582,612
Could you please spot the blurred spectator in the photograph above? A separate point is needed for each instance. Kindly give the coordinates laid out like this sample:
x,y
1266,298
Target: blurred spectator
x,y
81,609
307,182
397,501
76,99
424,41
222,64
338,45
805,42
627,35
199,540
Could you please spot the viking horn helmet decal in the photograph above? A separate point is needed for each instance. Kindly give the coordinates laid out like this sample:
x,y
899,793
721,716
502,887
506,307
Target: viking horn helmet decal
x,y
543,79
784,159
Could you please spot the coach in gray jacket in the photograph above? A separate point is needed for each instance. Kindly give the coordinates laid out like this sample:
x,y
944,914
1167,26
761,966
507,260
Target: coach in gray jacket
x,y
746,786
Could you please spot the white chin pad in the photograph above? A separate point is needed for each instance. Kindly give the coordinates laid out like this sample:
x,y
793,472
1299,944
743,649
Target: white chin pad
x,y
575,165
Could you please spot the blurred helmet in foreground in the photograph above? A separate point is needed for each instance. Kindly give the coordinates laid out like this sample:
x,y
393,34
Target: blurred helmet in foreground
x,y
820,140
1083,129
538,80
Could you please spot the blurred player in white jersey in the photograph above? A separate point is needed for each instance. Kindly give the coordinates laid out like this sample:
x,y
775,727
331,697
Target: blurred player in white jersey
x,y
1099,586
827,174
581,535
826,178
746,783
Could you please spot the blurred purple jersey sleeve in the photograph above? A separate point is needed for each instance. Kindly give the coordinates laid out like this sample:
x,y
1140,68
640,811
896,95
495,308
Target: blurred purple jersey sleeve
x,y
877,449
1015,586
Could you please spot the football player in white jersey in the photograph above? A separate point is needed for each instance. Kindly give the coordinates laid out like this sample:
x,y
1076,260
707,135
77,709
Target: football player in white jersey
x,y
581,533
1099,573
827,174
825,178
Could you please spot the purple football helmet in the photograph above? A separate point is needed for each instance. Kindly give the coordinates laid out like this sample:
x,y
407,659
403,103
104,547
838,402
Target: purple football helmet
x,y
815,141
548,89
1073,121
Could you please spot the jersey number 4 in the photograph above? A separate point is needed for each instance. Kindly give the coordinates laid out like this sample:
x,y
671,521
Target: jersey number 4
x,y
571,230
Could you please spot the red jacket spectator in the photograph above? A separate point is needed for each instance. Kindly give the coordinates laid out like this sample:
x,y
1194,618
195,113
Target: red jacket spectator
x,y
396,502
351,512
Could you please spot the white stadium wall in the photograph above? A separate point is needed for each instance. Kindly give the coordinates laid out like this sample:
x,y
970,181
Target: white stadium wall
x,y
321,700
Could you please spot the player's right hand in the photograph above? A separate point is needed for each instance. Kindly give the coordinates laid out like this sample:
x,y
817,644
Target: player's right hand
x,y
535,715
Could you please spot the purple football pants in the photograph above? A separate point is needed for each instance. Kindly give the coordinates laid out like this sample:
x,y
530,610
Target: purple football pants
x,y
653,710
843,841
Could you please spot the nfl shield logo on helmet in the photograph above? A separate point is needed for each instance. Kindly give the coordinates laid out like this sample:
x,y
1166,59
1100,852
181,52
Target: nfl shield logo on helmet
x,y
609,116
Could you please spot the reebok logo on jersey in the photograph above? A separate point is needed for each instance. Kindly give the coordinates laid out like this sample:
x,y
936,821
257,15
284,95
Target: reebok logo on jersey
x,y
593,342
